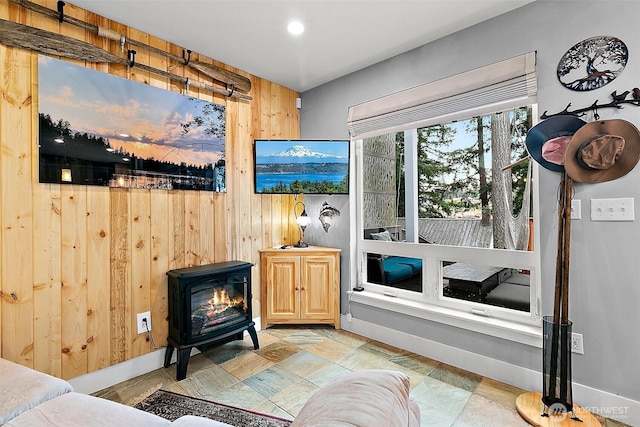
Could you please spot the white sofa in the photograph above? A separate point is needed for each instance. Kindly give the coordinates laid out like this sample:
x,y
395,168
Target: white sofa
x,y
374,398
31,398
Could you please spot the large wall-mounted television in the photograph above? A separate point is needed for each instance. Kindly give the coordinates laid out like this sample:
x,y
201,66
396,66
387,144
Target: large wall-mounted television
x,y
301,166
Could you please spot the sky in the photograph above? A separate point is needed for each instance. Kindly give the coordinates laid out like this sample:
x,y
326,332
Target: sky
x,y
337,148
108,106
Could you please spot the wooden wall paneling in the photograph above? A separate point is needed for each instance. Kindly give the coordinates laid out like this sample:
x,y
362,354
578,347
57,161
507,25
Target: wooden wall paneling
x,y
261,108
178,69
120,327
16,253
266,203
159,62
244,160
192,228
98,278
66,28
235,194
119,70
176,220
4,12
221,240
257,244
141,56
73,248
78,287
294,116
207,235
191,74
275,220
278,129
47,288
47,280
161,234
140,265
290,228
96,40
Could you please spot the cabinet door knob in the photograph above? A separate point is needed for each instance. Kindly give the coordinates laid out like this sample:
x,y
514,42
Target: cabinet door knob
x,y
302,289
297,289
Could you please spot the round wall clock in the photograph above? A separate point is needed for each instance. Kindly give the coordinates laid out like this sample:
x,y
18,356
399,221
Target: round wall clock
x,y
592,63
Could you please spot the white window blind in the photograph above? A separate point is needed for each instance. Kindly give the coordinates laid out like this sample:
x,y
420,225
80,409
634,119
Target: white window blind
x,y
504,85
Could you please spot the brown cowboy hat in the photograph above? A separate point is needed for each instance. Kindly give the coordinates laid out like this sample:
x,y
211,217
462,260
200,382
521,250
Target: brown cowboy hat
x,y
602,151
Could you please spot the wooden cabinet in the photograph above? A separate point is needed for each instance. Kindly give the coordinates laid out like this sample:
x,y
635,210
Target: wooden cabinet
x,y
300,285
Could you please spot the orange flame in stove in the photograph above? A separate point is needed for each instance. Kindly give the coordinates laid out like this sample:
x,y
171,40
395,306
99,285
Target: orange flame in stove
x,y
220,297
220,300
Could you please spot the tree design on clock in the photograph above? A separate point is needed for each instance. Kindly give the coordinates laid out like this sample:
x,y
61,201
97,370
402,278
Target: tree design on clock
x,y
592,63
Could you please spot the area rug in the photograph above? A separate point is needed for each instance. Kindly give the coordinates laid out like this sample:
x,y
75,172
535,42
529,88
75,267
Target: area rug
x,y
172,406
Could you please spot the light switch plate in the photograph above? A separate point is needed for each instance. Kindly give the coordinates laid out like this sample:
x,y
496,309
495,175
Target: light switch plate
x,y
576,209
612,209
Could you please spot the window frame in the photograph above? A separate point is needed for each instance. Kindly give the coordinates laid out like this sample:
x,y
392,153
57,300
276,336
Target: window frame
x,y
519,326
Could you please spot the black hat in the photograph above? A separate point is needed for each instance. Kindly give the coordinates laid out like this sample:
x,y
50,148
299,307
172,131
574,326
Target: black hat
x,y
548,140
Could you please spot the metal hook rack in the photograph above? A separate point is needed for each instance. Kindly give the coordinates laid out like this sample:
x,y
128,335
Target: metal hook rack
x,y
617,102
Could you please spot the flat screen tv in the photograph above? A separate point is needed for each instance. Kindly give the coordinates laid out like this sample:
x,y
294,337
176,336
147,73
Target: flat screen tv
x,y
301,166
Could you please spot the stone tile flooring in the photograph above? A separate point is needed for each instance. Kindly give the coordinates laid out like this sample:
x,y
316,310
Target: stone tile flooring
x,y
293,362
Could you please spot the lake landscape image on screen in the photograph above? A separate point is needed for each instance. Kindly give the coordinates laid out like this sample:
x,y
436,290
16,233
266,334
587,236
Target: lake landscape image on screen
x,y
302,166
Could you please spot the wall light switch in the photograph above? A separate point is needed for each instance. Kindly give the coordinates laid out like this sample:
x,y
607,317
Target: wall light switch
x,y
612,209
576,209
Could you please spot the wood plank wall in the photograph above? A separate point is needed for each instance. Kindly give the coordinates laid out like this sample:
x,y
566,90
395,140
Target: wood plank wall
x,y
77,263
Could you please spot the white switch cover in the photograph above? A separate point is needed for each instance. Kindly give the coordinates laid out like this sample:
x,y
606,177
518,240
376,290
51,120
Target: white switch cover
x,y
576,209
612,209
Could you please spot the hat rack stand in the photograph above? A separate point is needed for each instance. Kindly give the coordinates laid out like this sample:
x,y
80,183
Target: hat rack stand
x,y
617,102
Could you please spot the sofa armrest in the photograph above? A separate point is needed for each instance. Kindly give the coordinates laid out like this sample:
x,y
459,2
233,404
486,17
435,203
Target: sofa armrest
x,y
81,410
24,388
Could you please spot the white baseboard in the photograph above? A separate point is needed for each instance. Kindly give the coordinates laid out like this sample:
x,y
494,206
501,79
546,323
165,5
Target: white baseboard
x,y
596,401
112,375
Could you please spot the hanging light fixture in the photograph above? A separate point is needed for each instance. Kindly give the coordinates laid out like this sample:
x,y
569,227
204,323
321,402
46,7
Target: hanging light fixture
x,y
303,221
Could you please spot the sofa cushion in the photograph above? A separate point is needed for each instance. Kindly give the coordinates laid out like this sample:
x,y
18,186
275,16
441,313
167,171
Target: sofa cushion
x,y
395,272
81,410
371,398
23,388
414,263
383,235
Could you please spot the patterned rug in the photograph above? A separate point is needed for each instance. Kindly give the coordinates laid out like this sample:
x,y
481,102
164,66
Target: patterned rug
x,y
172,406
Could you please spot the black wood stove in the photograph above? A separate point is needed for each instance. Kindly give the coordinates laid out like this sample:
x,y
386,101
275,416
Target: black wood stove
x,y
208,305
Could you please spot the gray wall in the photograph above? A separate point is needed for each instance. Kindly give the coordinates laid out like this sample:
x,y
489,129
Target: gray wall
x,y
605,284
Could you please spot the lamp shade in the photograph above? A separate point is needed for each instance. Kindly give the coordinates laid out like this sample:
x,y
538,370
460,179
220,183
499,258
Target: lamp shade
x,y
303,220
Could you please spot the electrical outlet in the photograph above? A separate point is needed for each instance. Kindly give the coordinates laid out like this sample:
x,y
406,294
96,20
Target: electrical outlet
x,y
142,328
576,343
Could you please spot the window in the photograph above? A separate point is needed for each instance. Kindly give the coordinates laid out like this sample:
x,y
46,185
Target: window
x,y
446,199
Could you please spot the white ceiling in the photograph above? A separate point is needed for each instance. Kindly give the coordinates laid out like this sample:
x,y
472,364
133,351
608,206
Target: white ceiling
x,y
341,36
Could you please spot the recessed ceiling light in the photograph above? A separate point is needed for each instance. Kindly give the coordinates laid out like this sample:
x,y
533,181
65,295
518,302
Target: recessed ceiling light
x,y
295,28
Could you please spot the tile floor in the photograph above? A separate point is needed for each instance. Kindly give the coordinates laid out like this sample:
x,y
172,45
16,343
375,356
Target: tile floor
x,y
293,362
